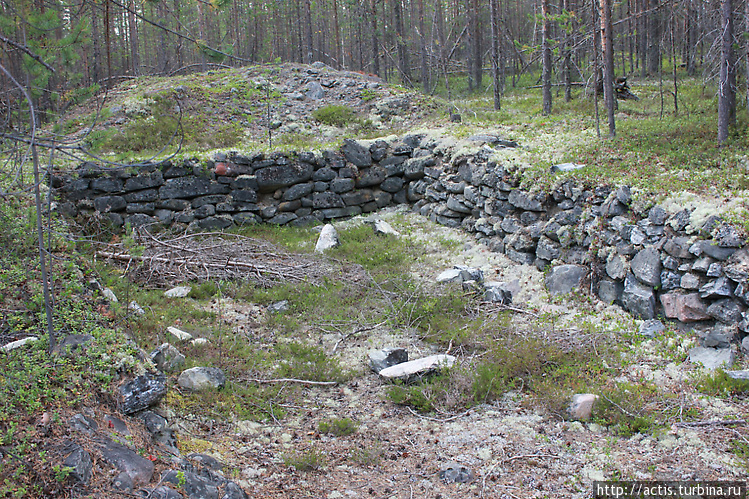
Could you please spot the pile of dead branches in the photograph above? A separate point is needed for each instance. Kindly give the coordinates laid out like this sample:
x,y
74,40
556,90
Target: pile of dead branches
x,y
166,260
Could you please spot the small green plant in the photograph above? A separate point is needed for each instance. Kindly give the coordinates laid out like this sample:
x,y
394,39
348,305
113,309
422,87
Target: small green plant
x,y
181,480
719,384
339,427
204,290
309,460
368,95
335,115
61,472
368,455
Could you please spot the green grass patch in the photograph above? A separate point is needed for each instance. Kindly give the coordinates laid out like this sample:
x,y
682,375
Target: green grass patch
x,y
342,427
335,115
719,384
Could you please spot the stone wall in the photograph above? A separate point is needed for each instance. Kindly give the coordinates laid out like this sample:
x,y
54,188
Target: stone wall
x,y
653,263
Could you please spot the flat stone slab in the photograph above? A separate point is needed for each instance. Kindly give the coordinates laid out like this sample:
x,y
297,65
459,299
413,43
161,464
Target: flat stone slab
x,y
712,358
418,366
179,334
739,375
18,343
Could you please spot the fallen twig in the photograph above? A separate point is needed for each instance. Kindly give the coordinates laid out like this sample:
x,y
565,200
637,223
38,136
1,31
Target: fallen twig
x,y
438,420
716,422
293,380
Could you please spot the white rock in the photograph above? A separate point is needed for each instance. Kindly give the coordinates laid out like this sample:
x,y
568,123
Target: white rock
x,y
384,228
418,366
328,239
199,341
135,308
179,334
581,406
739,375
712,358
449,275
109,295
178,292
18,343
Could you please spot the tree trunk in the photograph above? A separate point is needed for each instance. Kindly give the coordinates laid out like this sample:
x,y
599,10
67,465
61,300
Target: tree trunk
x,y
727,83
96,41
403,59
375,40
308,31
608,64
478,59
546,54
495,53
133,35
654,38
337,52
425,84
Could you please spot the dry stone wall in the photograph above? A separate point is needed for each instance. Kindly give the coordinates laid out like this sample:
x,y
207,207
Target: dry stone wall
x,y
654,264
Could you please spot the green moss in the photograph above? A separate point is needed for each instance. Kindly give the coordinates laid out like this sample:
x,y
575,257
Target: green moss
x,y
335,115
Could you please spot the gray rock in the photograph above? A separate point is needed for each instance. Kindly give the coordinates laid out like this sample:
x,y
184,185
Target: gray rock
x,y
414,168
610,291
159,429
615,267
651,328
739,375
564,279
383,228
511,225
328,239
216,223
167,358
684,307
80,464
725,310
547,249
470,273
670,262
702,265
313,90
147,181
742,292
72,342
356,153
233,491
388,357
522,200
83,424
638,298
720,336
711,249
193,485
107,184
745,345
456,473
278,307
520,257
138,468
728,237
323,200
736,268
712,358
498,292
370,177
123,482
202,378
715,270
718,288
142,392
670,280
678,247
277,176
657,215
417,368
690,281
646,266
449,275
163,492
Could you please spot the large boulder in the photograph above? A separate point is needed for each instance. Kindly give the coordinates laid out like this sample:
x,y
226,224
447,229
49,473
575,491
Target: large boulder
x,y
684,307
276,176
646,266
142,392
201,378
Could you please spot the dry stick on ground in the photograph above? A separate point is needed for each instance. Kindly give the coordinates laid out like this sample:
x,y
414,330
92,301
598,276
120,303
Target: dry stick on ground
x,y
293,380
716,422
438,420
355,332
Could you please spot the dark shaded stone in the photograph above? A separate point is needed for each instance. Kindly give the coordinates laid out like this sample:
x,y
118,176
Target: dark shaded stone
x,y
217,222
325,174
184,187
358,197
726,311
246,182
142,392
728,237
646,266
392,184
106,204
638,298
718,288
127,461
297,191
145,196
382,359
207,210
348,211
244,196
194,485
356,153
657,215
651,328
246,218
107,184
147,208
610,291
720,336
173,204
159,429
736,267
670,280
678,247
204,200
414,168
80,464
282,218
323,200
274,177
84,424
712,249
138,182
233,491
371,176
139,219
522,200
